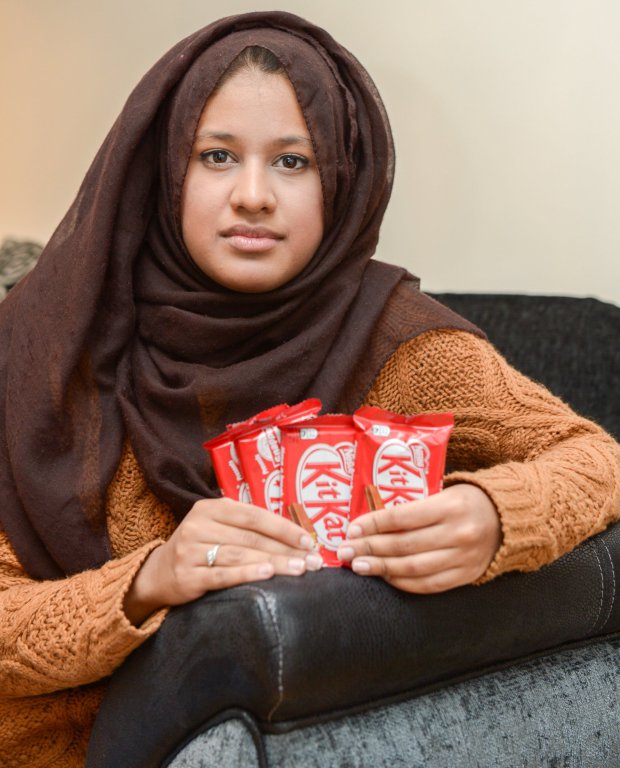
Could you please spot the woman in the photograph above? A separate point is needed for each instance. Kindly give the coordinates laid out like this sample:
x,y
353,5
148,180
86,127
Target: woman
x,y
215,262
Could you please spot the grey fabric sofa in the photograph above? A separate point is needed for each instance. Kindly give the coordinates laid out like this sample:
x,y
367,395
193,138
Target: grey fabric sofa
x,y
336,671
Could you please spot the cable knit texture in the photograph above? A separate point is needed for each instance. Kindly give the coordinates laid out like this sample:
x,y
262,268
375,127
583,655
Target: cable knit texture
x,y
553,476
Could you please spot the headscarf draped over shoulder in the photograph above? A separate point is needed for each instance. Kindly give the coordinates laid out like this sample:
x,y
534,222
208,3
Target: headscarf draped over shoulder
x,y
117,334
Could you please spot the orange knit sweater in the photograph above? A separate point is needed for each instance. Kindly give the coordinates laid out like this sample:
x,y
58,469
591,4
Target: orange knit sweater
x,y
554,478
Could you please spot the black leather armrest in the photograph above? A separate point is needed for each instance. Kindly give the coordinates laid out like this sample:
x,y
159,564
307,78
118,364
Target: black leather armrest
x,y
303,648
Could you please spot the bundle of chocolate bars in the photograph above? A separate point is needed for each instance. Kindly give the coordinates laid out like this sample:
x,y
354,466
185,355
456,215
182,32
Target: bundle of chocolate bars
x,y
324,471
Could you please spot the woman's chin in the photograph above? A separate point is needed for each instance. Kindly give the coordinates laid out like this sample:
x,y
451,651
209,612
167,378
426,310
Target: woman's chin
x,y
261,282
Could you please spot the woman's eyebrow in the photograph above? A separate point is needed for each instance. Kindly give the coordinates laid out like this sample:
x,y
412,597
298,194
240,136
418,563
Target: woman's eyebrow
x,y
283,141
220,135
294,139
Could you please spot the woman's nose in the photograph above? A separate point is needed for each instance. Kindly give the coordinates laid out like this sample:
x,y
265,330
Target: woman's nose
x,y
253,190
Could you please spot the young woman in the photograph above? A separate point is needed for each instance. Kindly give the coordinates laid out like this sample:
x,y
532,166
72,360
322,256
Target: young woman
x,y
217,261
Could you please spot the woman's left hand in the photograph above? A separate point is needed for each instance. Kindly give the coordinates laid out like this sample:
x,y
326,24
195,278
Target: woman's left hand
x,y
431,545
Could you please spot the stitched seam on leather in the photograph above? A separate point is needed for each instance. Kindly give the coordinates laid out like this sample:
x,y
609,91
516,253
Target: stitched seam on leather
x,y
270,605
600,605
613,580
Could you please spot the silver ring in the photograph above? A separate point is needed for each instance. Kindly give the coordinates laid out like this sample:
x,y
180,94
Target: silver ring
x,y
212,554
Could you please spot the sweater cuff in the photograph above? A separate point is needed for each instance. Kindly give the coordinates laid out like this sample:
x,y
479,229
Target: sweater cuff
x,y
117,637
527,543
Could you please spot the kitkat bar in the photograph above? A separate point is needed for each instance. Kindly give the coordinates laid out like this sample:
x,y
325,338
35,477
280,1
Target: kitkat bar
x,y
226,464
224,458
318,459
260,454
398,458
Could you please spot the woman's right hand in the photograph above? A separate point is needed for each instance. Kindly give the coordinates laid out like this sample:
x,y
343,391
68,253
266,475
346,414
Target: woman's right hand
x,y
254,545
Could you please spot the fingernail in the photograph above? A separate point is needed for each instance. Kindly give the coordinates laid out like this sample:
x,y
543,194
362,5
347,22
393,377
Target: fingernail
x,y
360,566
346,553
354,532
314,562
265,570
297,564
306,542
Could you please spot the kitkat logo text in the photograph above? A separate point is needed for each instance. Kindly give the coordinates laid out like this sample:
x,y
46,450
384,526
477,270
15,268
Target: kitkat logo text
x,y
400,470
323,485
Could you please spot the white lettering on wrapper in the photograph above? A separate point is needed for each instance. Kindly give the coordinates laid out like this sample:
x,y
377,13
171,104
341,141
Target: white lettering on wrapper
x,y
268,445
380,430
244,493
400,470
273,491
234,463
308,433
323,486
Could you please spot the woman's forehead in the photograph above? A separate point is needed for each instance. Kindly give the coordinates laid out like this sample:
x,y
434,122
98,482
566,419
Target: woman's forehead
x,y
251,99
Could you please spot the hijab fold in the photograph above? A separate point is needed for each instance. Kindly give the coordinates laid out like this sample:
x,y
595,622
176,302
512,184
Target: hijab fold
x,y
118,334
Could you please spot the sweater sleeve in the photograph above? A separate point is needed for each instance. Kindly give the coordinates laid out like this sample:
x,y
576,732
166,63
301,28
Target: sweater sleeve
x,y
61,634
553,476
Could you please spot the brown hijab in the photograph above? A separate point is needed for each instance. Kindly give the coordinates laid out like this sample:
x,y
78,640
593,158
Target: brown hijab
x,y
117,333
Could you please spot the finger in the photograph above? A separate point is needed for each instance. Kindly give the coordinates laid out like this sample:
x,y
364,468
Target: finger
x,y
413,566
398,544
415,514
235,556
253,518
221,578
215,531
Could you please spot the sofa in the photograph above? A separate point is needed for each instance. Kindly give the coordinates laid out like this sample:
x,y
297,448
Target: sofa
x,y
336,671
340,672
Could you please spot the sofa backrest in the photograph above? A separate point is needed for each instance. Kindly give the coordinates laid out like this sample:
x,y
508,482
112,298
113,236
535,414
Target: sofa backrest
x,y
17,258
571,345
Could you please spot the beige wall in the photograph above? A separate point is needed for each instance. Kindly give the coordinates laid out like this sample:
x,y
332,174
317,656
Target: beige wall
x,y
506,115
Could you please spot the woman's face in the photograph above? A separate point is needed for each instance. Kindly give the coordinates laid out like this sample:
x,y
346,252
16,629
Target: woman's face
x,y
252,206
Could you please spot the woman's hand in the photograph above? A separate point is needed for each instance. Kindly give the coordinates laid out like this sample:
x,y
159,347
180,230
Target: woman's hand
x,y
431,545
254,545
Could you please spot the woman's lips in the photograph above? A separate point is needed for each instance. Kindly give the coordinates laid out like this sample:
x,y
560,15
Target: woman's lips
x,y
251,239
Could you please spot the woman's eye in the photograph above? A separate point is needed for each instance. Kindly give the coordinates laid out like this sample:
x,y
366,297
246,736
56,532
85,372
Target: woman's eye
x,y
292,162
216,156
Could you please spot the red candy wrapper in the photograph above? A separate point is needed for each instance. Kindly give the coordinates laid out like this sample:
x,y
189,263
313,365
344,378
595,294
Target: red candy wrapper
x,y
260,454
321,472
399,458
266,415
318,461
225,460
227,466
